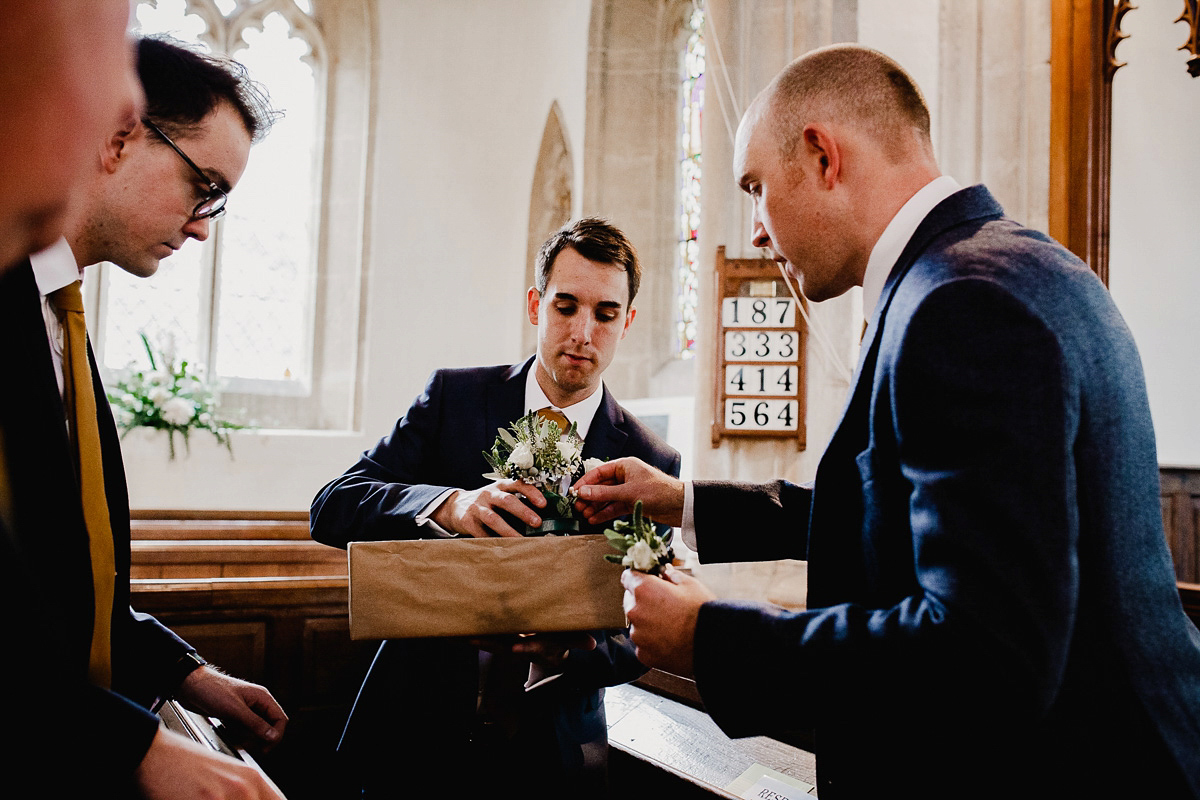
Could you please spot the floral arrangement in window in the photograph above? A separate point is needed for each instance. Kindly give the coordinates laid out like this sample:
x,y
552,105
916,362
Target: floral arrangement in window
x,y
642,547
169,396
536,451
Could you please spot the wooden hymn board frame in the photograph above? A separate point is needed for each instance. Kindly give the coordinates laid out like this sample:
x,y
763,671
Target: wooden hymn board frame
x,y
760,346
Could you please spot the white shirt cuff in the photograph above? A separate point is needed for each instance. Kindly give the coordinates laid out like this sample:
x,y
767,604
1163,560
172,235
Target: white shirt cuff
x,y
423,517
688,529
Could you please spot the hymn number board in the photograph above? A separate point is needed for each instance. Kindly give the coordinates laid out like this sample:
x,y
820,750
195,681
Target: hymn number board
x,y
760,353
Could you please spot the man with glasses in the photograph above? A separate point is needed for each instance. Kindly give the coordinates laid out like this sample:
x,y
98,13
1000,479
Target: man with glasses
x,y
158,180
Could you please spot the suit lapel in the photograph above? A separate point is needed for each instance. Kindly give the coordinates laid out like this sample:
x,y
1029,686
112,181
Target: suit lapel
x,y
606,439
505,400
838,490
47,510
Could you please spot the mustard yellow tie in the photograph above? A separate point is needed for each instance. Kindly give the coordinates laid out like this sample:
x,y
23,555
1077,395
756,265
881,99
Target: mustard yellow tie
x,y
80,401
557,417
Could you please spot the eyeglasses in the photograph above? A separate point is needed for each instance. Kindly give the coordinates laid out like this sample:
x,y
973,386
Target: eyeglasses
x,y
212,205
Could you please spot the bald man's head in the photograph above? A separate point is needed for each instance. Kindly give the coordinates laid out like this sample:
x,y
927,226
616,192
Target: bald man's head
x,y
852,86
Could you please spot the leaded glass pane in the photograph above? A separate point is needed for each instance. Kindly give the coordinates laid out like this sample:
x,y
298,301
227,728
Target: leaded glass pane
x,y
691,115
266,287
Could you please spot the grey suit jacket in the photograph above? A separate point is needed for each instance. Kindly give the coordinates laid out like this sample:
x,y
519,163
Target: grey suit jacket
x,y
990,588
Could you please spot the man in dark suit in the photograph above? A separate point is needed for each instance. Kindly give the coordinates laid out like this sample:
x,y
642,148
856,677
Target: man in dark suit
x,y
421,716
143,200
991,605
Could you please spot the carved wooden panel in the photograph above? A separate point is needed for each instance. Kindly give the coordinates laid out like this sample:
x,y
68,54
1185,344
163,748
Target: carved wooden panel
x,y
1180,494
1191,15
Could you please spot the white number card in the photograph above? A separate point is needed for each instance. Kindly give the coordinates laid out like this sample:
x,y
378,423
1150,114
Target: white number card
x,y
761,415
769,379
761,346
758,312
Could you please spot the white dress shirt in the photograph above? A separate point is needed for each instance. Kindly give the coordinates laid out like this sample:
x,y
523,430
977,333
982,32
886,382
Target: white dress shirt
x,y
54,268
883,258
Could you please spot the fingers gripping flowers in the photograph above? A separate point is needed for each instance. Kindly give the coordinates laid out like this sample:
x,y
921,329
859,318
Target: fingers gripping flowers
x,y
643,548
536,451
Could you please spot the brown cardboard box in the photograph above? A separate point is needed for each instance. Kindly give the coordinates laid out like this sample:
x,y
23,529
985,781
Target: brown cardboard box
x,y
468,587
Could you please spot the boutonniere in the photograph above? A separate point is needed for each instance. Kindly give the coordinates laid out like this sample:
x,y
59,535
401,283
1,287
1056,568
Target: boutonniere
x,y
641,545
537,452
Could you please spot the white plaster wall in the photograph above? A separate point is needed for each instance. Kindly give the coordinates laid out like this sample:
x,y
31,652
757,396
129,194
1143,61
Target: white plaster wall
x,y
1154,263
462,92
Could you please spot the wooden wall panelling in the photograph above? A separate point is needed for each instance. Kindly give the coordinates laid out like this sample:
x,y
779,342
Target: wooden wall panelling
x,y
1180,495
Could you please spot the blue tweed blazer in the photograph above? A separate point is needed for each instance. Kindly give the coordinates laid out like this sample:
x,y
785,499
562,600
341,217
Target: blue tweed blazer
x,y
992,608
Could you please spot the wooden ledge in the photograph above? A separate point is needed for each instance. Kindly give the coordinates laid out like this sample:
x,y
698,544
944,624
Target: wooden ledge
x,y
225,528
184,551
198,594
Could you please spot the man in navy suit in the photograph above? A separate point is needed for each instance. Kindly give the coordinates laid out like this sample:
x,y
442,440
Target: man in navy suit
x,y
141,199
429,713
991,607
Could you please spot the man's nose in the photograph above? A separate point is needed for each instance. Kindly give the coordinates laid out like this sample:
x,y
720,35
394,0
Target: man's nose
x,y
197,229
758,233
582,330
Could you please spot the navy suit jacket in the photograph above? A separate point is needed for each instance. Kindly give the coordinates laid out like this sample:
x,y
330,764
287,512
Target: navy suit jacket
x,y
991,605
50,539
438,444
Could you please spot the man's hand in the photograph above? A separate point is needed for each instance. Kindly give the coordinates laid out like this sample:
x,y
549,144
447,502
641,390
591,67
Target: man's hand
x,y
611,489
475,513
176,768
243,706
547,650
662,617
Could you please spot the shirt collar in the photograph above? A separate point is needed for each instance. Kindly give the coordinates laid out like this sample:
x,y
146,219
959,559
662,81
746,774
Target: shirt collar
x,y
55,267
895,237
580,413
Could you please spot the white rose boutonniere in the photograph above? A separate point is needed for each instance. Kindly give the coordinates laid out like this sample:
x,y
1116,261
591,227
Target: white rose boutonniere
x,y
521,457
641,545
535,451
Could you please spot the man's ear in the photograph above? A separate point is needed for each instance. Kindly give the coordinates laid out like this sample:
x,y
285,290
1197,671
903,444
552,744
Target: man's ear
x,y
534,302
824,153
115,147
628,319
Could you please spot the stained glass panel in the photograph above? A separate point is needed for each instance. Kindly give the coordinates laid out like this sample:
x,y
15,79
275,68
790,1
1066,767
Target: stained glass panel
x,y
691,115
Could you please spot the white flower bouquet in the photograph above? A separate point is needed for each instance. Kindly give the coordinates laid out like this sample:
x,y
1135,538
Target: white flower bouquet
x,y
170,397
641,545
537,452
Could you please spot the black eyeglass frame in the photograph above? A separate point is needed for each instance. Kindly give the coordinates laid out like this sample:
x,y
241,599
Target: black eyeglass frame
x,y
217,197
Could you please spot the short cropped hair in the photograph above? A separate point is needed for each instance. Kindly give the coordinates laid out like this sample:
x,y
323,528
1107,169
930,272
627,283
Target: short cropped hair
x,y
183,85
595,239
850,84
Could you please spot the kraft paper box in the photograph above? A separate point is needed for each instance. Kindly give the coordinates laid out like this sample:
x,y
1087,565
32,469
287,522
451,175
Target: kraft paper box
x,y
468,587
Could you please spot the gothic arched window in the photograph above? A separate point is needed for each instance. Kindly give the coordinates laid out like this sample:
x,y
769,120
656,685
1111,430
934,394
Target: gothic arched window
x,y
245,302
